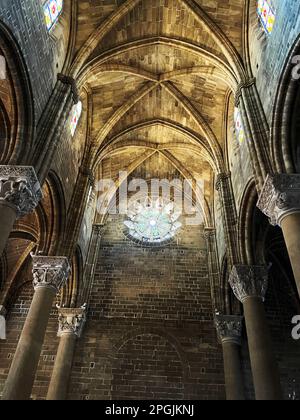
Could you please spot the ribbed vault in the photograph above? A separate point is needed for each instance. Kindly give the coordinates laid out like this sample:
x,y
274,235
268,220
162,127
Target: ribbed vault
x,y
158,76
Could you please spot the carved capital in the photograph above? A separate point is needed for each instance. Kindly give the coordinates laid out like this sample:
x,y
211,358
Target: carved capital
x,y
280,197
87,172
249,281
221,179
98,229
229,328
71,321
3,311
67,80
209,233
243,85
19,188
50,272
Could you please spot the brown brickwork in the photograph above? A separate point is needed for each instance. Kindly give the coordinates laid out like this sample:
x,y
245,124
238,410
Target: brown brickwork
x,y
150,332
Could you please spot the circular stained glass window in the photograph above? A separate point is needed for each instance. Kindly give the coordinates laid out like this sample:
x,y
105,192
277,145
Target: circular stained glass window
x,y
153,221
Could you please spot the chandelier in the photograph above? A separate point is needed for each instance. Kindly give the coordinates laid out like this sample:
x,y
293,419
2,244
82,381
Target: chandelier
x,y
153,221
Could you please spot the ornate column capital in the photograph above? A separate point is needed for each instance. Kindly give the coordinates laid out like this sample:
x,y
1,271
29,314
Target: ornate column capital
x,y
221,178
249,281
67,80
243,85
3,311
50,272
209,233
229,328
19,188
98,229
71,321
280,197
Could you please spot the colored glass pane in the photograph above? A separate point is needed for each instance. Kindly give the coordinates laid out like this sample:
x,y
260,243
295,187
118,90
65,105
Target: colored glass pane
x,y
239,128
153,221
266,14
75,117
52,11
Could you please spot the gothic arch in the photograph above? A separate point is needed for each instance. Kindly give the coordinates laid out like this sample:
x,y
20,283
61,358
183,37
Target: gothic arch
x,y
162,335
214,31
198,143
285,120
18,144
225,73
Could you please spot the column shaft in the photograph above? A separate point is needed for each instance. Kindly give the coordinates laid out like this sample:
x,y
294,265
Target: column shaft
x,y
264,367
62,369
291,231
23,369
233,372
8,217
280,202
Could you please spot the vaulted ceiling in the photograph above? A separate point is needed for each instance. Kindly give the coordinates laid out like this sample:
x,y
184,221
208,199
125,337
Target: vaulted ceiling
x,y
159,76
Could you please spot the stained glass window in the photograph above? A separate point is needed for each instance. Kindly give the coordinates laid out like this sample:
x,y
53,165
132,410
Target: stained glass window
x,y
75,117
239,128
153,221
52,11
266,14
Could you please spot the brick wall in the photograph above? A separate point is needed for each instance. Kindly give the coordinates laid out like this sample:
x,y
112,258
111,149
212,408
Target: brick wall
x,y
150,332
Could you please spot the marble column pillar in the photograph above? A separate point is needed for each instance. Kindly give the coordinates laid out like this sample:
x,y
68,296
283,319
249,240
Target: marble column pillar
x,y
249,284
20,193
280,201
49,276
229,330
71,323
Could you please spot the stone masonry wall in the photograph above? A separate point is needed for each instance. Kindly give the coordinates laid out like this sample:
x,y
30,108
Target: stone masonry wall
x,y
43,53
150,333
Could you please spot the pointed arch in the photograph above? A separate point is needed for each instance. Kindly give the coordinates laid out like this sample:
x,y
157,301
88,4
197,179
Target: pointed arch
x,y
99,33
219,36
203,125
104,58
198,144
188,176
115,118
19,143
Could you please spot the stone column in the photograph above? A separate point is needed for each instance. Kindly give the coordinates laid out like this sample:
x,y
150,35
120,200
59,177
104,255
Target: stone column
x,y
3,313
229,330
53,122
213,268
280,201
91,261
256,128
224,187
49,276
71,323
20,193
249,284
